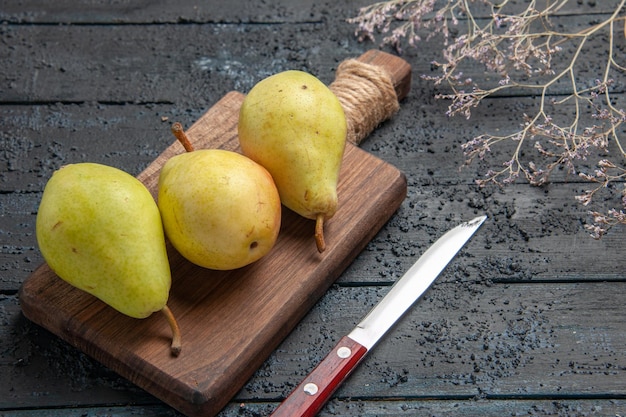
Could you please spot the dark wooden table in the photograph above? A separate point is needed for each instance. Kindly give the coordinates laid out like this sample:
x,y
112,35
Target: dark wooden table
x,y
527,320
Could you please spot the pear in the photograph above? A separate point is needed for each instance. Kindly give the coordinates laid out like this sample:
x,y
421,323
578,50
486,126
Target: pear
x,y
293,125
99,229
220,209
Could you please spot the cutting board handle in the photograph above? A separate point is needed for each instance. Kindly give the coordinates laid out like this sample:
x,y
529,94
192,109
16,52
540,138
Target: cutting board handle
x,y
370,88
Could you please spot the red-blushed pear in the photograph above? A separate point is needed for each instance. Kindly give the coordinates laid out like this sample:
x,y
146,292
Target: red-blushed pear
x,y
293,125
99,229
220,209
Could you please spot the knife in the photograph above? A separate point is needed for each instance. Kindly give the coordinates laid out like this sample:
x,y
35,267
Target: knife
x,y
315,390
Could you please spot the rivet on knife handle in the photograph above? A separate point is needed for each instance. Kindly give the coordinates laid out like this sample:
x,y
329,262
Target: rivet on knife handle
x,y
311,395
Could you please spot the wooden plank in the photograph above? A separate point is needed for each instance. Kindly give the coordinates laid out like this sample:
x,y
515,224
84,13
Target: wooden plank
x,y
365,408
533,234
523,340
38,141
219,11
154,12
462,340
427,143
187,64
434,407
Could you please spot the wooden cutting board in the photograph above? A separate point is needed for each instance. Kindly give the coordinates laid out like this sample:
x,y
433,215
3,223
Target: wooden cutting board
x,y
230,320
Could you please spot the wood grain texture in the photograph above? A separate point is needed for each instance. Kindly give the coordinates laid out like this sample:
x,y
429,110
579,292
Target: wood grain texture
x,y
102,80
231,321
217,11
461,341
376,408
123,64
521,243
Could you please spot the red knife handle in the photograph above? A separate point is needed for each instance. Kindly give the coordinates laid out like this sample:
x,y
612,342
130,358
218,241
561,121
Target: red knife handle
x,y
312,393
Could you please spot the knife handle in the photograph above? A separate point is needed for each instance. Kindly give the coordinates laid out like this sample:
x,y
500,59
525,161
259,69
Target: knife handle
x,y
312,393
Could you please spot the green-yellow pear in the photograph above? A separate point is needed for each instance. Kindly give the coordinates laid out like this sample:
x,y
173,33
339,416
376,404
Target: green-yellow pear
x,y
220,209
293,125
99,229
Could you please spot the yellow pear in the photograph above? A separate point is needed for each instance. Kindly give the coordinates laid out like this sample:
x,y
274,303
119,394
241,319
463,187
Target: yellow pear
x,y
99,229
293,125
220,209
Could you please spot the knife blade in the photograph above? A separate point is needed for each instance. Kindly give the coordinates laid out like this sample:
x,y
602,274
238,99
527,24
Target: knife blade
x,y
315,390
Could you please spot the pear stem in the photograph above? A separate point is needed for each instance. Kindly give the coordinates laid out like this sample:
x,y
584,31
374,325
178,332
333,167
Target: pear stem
x,y
179,132
319,233
176,346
